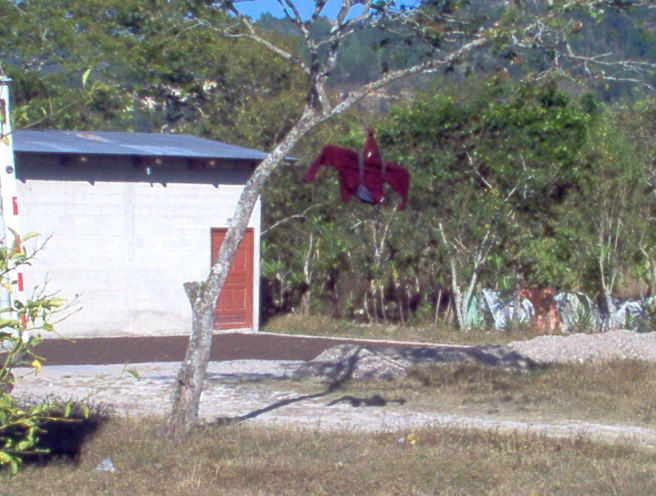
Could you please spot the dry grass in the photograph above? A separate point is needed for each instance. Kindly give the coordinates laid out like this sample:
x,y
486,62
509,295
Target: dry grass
x,y
249,460
242,460
318,325
611,392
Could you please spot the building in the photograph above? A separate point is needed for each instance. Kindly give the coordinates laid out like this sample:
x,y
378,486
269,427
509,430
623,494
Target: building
x,y
130,217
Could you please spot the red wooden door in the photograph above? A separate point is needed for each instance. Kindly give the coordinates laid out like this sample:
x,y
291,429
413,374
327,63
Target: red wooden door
x,y
234,310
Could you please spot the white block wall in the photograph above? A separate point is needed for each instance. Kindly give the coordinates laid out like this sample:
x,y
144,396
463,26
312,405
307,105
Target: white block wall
x,y
126,248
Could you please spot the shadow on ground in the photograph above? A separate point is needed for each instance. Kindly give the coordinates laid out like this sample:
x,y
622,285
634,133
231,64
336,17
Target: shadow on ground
x,y
63,439
348,368
349,362
346,362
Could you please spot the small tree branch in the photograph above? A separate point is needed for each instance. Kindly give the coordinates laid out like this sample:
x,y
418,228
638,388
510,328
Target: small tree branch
x,y
253,35
432,64
302,215
193,291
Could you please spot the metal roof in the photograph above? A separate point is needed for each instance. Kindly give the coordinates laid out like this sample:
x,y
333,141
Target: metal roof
x,y
140,144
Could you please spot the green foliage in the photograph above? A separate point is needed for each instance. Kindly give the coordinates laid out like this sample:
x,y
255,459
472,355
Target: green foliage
x,y
608,215
503,161
20,427
157,66
520,169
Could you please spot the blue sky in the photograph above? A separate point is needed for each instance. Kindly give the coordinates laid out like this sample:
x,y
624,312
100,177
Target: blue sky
x,y
255,8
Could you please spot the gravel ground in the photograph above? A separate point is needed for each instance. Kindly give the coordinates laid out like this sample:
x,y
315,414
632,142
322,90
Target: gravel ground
x,y
260,391
583,348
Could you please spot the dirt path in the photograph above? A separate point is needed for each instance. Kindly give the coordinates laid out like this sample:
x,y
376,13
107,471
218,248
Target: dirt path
x,y
225,346
261,392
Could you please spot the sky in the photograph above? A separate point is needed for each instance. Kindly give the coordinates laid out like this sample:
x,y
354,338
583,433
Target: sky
x,y
256,8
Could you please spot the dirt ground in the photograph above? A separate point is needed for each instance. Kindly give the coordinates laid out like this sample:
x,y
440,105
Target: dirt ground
x,y
262,391
225,346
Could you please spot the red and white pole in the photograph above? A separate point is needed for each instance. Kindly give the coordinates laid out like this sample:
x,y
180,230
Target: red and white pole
x,y
8,188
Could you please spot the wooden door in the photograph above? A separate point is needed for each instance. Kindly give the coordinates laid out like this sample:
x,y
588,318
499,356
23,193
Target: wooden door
x,y
234,310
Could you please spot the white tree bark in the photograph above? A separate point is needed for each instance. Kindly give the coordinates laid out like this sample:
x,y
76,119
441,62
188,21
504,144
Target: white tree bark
x,y
203,296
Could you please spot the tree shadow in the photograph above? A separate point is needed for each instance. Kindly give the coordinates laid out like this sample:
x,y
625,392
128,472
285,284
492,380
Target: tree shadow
x,y
388,362
349,367
491,356
359,362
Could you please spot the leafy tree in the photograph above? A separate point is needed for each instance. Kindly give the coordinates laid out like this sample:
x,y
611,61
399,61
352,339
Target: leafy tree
x,y
151,70
610,223
637,123
489,176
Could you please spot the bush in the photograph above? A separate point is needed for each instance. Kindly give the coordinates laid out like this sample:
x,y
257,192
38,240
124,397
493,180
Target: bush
x,y
21,427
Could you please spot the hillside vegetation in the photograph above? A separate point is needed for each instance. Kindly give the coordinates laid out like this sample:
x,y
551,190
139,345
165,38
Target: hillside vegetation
x,y
516,181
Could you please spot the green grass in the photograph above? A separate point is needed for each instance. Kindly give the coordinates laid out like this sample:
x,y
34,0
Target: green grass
x,y
318,325
245,460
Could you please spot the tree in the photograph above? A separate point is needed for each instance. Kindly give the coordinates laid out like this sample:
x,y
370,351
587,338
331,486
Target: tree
x,y
450,32
610,211
491,169
638,123
151,70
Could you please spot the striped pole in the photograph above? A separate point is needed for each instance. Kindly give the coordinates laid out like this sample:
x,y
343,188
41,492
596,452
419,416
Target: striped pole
x,y
9,190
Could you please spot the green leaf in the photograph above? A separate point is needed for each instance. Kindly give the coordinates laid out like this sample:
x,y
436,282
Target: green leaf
x,y
36,365
56,302
30,235
8,323
134,374
85,76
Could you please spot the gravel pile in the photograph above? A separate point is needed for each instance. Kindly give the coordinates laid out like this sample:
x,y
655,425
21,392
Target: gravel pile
x,y
583,348
357,362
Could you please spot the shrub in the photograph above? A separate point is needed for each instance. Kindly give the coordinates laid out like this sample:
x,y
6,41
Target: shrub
x,y
20,326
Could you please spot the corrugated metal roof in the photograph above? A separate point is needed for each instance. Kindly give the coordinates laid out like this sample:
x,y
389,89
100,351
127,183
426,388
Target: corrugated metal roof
x,y
140,144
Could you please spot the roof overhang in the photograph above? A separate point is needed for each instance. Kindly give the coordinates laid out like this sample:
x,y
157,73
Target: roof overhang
x,y
130,144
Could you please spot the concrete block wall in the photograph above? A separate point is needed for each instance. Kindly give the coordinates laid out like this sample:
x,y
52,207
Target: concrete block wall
x,y
124,245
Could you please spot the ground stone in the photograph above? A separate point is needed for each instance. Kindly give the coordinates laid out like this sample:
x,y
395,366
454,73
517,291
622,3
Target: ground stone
x,y
354,362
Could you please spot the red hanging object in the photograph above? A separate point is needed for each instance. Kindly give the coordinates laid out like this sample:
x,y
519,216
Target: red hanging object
x,y
363,175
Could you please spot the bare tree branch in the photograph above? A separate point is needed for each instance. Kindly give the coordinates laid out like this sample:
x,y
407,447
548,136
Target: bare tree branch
x,y
295,18
253,35
318,8
302,215
432,64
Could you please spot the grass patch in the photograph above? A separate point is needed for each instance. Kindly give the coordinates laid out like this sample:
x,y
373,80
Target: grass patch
x,y
245,460
622,391
319,325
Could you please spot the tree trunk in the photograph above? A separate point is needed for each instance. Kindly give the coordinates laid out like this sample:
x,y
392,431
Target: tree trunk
x,y
381,296
307,274
610,322
517,300
437,306
190,377
203,296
